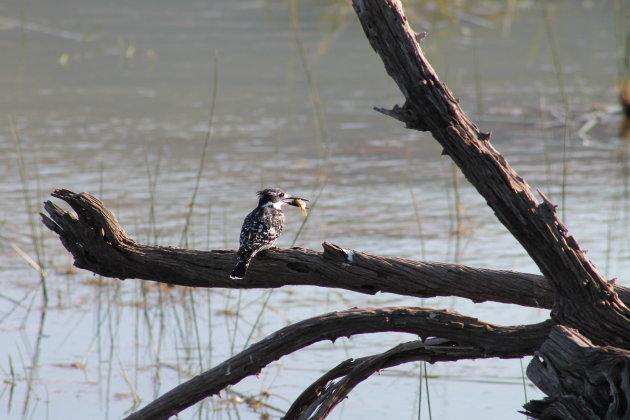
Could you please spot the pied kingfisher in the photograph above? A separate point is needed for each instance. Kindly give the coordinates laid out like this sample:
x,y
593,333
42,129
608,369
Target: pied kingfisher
x,y
262,227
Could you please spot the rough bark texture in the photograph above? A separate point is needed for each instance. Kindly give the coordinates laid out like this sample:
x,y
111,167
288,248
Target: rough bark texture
x,y
490,341
100,244
430,106
318,400
581,380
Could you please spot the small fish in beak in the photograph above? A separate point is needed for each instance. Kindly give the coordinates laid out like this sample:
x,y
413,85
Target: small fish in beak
x,y
297,202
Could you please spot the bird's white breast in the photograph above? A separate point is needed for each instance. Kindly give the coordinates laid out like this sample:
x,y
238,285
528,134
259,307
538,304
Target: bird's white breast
x,y
276,205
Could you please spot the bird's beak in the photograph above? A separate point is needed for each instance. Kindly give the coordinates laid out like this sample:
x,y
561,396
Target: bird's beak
x,y
293,201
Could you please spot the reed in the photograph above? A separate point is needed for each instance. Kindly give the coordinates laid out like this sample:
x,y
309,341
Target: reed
x,y
524,379
152,180
204,153
559,73
36,233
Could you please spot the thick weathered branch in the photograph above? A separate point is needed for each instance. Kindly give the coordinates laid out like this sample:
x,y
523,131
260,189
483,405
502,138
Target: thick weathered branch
x,y
581,380
494,340
99,244
323,395
584,298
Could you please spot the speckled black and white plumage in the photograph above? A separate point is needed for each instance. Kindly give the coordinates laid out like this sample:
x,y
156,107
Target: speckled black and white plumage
x,y
261,228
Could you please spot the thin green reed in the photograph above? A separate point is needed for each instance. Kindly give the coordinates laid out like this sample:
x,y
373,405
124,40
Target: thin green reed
x,y
11,383
113,318
323,137
157,379
193,309
208,138
187,223
152,177
237,315
460,229
36,234
318,114
418,218
477,77
34,363
426,386
523,380
545,137
209,291
566,141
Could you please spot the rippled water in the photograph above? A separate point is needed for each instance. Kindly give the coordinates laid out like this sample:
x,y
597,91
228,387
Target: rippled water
x,y
112,97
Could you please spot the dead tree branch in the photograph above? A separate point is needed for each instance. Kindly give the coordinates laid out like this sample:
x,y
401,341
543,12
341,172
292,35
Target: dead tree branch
x,y
99,244
492,340
430,106
318,400
582,381
584,299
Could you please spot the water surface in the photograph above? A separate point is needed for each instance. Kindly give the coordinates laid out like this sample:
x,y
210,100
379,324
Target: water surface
x,y
114,98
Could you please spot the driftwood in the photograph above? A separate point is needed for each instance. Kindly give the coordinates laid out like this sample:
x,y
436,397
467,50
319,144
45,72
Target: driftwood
x,y
589,312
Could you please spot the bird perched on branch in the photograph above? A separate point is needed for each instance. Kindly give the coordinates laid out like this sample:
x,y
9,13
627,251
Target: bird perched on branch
x,y
263,226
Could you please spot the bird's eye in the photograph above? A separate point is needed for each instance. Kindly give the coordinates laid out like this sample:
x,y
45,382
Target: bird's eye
x,y
281,195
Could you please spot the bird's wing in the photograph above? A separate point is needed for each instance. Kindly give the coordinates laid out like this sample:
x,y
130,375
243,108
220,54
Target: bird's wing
x,y
261,228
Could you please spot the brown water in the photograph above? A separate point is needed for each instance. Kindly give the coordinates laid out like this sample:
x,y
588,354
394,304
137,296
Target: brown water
x,y
109,97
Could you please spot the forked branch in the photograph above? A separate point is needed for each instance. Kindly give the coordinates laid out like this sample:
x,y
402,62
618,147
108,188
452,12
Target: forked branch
x,y
581,292
491,341
317,401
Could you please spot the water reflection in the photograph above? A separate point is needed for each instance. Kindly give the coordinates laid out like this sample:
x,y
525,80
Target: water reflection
x,y
32,377
120,109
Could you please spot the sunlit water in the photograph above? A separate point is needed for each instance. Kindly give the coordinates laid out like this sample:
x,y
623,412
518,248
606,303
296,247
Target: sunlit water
x,y
112,97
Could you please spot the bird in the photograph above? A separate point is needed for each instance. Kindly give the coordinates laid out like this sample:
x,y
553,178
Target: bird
x,y
262,226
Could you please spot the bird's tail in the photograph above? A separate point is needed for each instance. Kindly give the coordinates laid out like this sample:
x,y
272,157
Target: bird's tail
x,y
240,269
